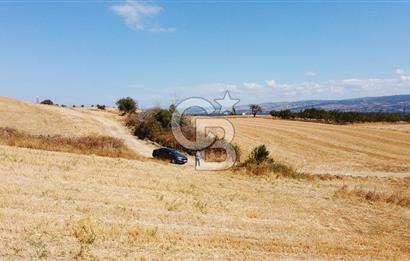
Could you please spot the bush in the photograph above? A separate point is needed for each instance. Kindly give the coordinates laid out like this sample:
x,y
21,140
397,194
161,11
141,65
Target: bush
x,y
148,130
47,102
164,117
97,145
259,163
100,107
258,155
126,105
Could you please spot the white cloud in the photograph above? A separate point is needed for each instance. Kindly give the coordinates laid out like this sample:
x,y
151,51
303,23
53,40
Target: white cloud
x,y
310,74
404,76
252,85
135,14
271,83
271,90
401,72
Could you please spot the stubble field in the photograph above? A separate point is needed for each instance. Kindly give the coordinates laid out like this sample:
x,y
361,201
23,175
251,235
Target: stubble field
x,y
56,205
376,150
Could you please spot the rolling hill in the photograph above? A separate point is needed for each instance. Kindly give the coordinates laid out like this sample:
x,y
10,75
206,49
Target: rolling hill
x,y
387,104
56,205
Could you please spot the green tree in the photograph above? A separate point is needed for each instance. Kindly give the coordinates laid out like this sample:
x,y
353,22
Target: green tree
x,y
47,102
127,105
255,109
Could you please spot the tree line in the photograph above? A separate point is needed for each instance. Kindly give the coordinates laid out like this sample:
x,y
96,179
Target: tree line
x,y
340,116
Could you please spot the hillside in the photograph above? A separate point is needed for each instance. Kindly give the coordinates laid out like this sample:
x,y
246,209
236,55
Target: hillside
x,y
56,205
387,104
46,120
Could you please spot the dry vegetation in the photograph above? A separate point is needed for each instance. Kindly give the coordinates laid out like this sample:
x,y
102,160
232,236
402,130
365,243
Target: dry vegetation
x,y
57,205
399,197
97,145
328,149
47,120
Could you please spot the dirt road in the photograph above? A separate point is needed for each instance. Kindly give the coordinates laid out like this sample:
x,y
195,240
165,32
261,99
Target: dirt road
x,y
115,129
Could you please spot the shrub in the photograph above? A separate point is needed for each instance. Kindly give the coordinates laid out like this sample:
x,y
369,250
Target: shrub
x,y
259,163
400,198
126,105
47,102
100,107
164,117
258,155
150,129
98,145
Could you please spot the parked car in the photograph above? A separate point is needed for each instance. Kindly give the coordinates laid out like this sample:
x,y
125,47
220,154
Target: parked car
x,y
172,155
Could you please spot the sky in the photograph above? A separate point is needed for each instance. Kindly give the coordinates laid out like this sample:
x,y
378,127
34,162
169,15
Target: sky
x,y
89,52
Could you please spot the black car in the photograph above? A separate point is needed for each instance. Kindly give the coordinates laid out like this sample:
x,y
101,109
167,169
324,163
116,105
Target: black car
x,y
170,154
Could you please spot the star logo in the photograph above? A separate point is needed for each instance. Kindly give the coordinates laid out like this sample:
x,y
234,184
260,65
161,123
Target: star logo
x,y
227,103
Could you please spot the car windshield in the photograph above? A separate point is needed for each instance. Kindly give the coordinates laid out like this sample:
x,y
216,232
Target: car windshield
x,y
177,153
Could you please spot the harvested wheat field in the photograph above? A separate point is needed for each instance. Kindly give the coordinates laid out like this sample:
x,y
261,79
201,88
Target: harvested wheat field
x,y
63,206
379,150
46,120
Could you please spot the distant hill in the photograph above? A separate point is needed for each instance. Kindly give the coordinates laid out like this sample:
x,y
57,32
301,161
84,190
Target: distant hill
x,y
386,104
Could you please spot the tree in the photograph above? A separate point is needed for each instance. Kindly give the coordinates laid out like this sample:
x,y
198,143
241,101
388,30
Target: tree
x,y
126,105
47,102
172,108
255,108
233,112
101,107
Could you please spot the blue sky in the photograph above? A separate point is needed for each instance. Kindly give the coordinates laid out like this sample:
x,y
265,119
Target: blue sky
x,y
88,52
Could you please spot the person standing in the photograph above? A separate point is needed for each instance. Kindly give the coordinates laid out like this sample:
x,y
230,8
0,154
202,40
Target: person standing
x,y
197,159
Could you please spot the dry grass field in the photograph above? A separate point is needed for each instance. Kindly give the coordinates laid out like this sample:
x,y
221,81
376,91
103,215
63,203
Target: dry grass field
x,y
380,150
58,205
64,206
46,120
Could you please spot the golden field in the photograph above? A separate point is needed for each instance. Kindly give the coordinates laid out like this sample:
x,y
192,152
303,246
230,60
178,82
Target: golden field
x,y
57,205
46,120
362,149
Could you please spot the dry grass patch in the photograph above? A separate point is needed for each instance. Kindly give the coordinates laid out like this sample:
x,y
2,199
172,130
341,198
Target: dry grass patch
x,y
99,145
139,234
396,197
